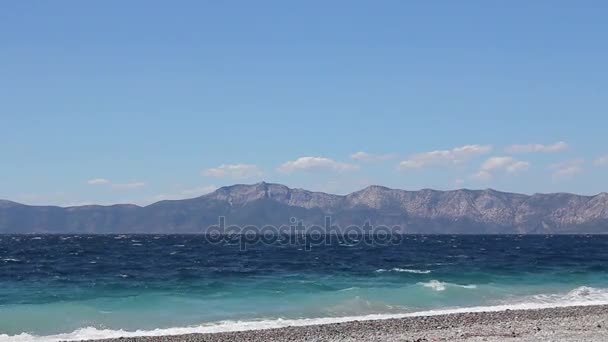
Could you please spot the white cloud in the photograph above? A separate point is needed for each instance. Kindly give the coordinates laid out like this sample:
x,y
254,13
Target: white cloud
x,y
234,171
500,164
131,185
601,160
567,169
529,148
315,164
98,181
444,157
482,175
370,157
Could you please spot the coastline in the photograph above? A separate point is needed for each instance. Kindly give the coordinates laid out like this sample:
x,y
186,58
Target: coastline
x,y
574,323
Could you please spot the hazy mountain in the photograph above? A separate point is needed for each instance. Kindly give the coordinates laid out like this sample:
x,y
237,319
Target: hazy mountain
x,y
424,211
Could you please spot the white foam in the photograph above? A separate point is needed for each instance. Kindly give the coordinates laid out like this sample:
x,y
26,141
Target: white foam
x,y
11,260
581,296
348,289
441,286
406,270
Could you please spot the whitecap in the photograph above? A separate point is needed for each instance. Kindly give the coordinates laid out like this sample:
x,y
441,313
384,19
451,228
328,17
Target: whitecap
x,y
348,289
11,260
403,270
441,286
435,285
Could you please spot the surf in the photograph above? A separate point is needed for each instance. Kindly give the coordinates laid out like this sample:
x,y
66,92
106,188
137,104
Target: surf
x,y
580,296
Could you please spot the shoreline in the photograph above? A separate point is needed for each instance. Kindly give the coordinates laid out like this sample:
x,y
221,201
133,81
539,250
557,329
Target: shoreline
x,y
572,323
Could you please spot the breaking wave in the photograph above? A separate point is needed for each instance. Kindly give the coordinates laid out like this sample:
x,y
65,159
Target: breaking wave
x,y
581,296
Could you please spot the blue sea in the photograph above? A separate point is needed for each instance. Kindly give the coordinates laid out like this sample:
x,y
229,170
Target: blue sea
x,y
73,287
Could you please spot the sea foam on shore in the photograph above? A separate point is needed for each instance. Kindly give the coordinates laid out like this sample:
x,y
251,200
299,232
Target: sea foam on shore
x,y
579,297
572,324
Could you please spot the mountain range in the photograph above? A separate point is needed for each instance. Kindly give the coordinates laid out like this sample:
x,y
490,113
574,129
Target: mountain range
x,y
425,211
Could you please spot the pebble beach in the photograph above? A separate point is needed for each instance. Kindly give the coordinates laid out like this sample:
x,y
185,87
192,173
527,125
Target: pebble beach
x,y
577,323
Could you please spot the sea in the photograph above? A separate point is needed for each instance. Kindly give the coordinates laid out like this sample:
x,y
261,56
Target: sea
x,y
75,287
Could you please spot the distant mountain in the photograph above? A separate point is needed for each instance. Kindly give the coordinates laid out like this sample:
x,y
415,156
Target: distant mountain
x,y
424,211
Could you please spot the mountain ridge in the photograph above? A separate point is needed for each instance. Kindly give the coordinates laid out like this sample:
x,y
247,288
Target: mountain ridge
x,y
5,201
419,211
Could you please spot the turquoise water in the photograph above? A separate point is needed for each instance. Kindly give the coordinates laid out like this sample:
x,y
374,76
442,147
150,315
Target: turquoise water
x,y
74,287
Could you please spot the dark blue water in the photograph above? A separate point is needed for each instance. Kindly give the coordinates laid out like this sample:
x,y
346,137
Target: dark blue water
x,y
96,286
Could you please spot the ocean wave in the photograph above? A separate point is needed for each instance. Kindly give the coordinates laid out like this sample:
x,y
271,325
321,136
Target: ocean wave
x,y
585,293
11,260
581,296
441,286
405,270
349,289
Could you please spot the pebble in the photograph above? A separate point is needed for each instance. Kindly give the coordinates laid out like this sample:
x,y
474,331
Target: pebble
x,y
556,324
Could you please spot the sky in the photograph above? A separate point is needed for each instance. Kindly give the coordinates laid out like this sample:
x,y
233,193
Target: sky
x,y
138,101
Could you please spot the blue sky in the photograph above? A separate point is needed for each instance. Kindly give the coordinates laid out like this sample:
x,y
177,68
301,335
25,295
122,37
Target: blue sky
x,y
137,101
